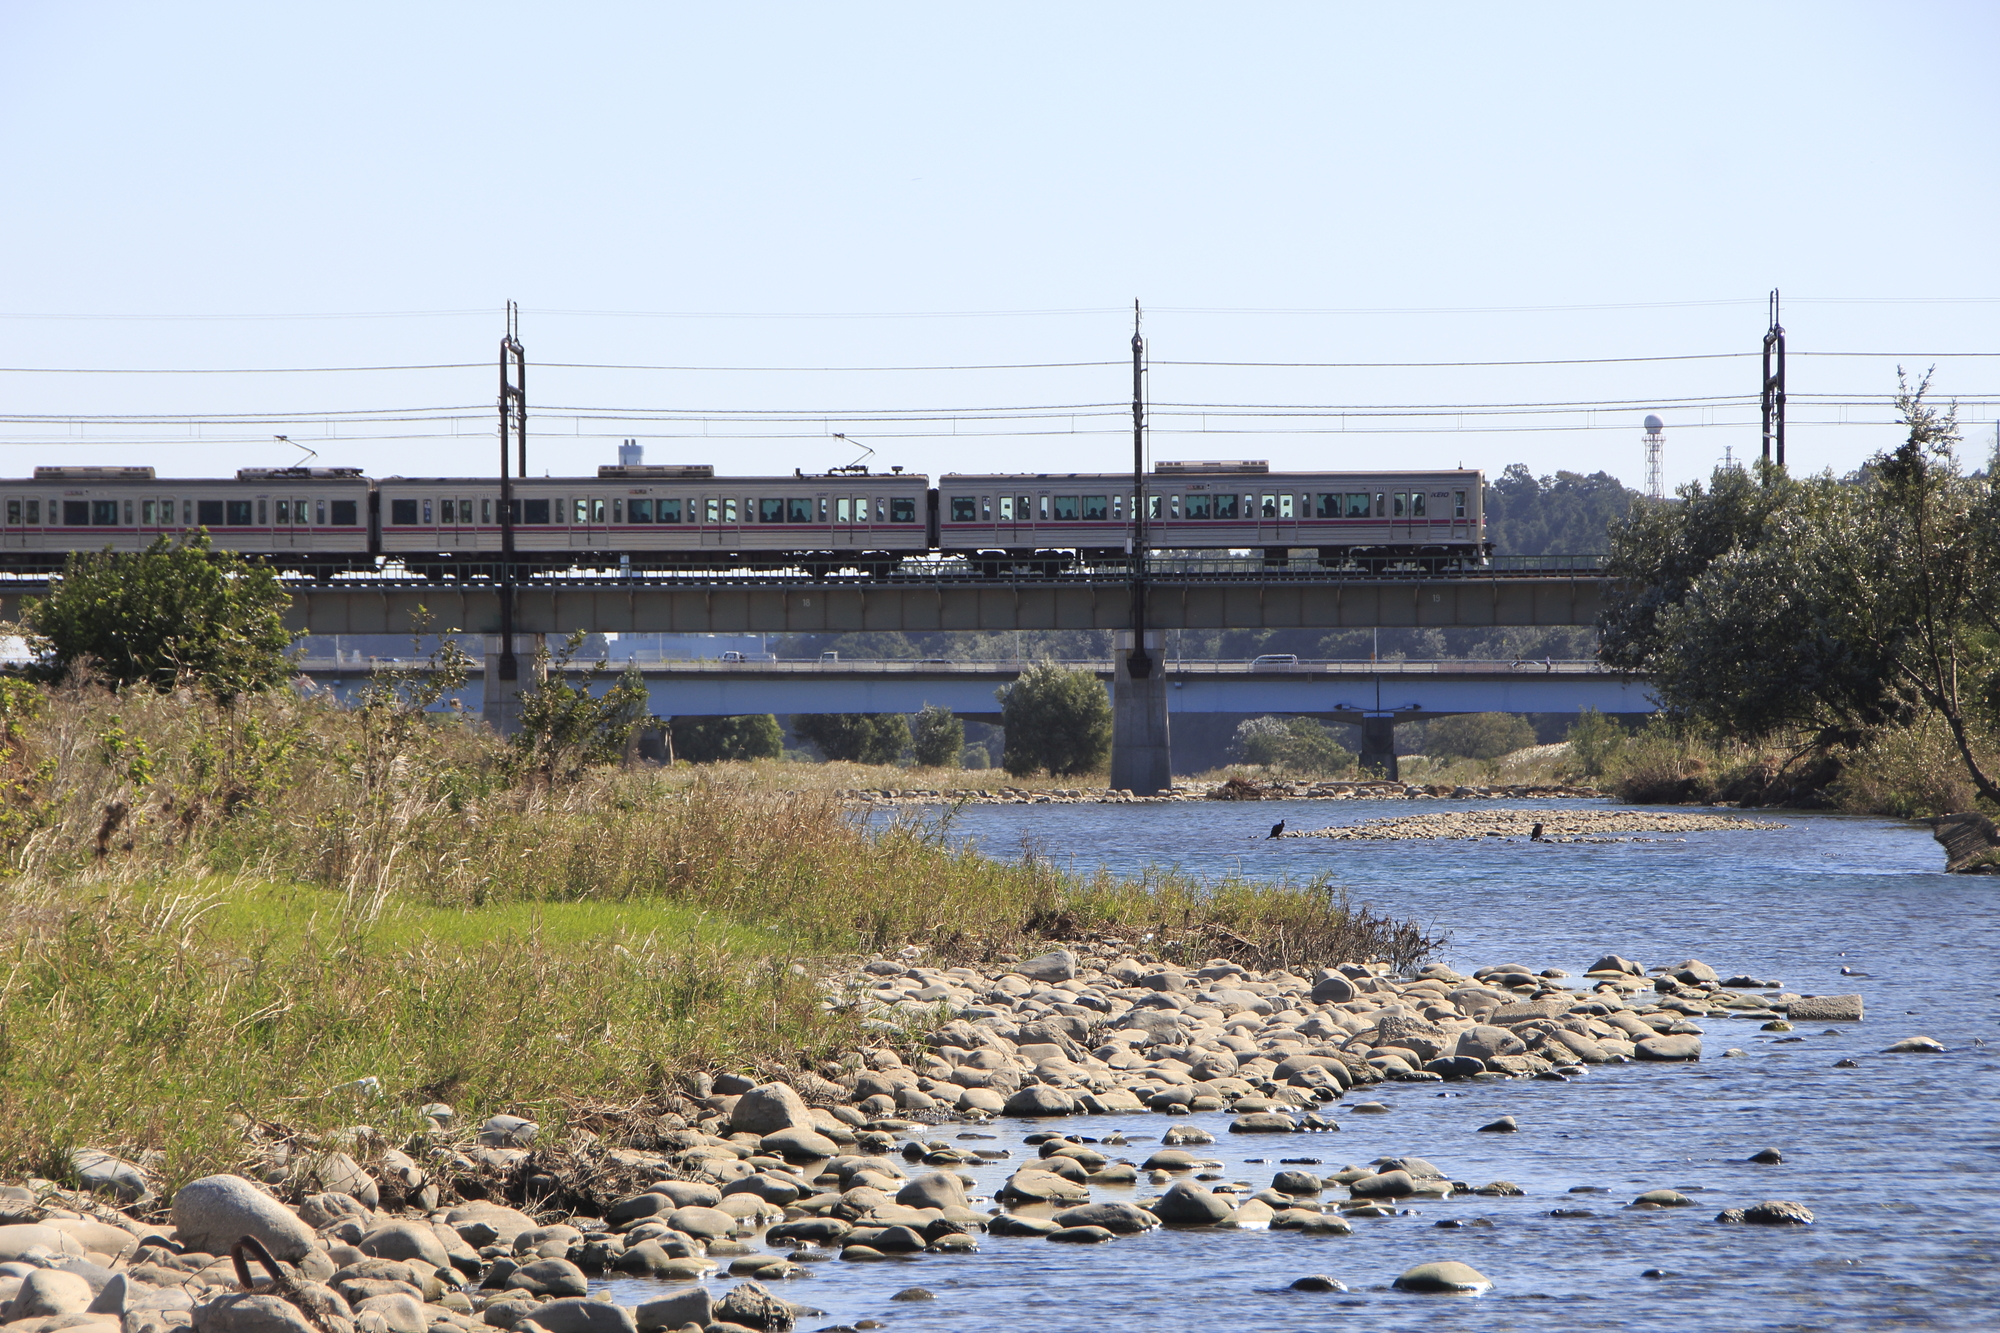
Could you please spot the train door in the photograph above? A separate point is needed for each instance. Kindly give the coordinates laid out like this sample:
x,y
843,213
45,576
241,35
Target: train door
x,y
1408,519
721,522
1277,518
850,522
589,517
14,537
1015,521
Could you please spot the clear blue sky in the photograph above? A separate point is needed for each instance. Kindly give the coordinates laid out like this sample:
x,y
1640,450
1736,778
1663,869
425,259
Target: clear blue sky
x,y
1277,182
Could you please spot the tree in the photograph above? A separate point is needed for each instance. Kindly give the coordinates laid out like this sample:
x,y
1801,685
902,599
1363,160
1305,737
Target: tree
x,y
1594,740
1831,607
1566,514
937,740
710,740
1055,719
178,611
1295,744
1477,736
858,738
565,728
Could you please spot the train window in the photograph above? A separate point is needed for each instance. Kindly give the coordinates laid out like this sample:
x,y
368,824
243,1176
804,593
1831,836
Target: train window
x,y
147,509
533,511
263,513
729,511
236,513
1270,507
964,509
400,511
1200,506
579,511
1225,506
1285,509
843,510
597,509
799,509
104,513
1326,506
485,511
710,509
13,513
1153,503
1416,504
903,509
319,515
1356,507
187,513
35,511
1096,508
639,511
1065,508
210,513
1461,504
617,510
285,511
76,513
1117,509
771,511
447,511
986,509
1399,501
1006,509
464,510
128,513
1173,506
1379,511
669,511
344,513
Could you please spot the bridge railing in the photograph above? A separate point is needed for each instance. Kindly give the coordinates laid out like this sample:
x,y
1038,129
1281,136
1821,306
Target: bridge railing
x,y
1009,668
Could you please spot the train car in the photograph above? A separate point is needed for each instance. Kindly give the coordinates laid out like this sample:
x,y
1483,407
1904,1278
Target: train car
x,y
1367,519
305,518
660,517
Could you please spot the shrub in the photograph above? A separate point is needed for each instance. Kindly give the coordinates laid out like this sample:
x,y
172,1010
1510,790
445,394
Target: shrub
x,y
1478,736
938,738
1594,742
975,756
711,740
1296,744
1055,719
565,728
857,738
176,611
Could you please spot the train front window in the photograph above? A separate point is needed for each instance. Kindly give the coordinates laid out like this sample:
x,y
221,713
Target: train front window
x,y
771,511
964,509
1199,506
639,511
1460,495
902,509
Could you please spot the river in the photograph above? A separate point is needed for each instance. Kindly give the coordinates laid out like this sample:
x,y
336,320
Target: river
x,y
1896,1157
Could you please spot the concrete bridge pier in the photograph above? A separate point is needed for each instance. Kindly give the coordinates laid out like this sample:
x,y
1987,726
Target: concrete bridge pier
x,y
1141,756
1378,744
501,708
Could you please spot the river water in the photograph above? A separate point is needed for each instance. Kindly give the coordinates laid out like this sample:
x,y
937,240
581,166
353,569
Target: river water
x,y
1896,1158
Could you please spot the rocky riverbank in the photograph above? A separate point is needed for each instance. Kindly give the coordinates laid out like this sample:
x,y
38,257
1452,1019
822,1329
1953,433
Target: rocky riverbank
x,y
1535,825
460,1228
1235,789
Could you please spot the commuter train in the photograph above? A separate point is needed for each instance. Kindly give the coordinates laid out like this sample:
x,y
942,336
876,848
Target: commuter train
x,y
324,520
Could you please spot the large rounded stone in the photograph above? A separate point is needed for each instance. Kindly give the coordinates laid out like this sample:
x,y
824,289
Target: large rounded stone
x,y
768,1108
485,1223
1051,967
799,1145
1448,1277
405,1240
1122,1219
49,1291
249,1314
1296,1182
1038,1099
507,1131
702,1223
549,1277
1263,1122
1484,1041
687,1193
101,1173
1187,1204
1333,989
933,1189
213,1213
1383,1185
639,1207
573,1315
1778,1213
1685,1047
759,1185
676,1309
23,1239
1915,1046
399,1313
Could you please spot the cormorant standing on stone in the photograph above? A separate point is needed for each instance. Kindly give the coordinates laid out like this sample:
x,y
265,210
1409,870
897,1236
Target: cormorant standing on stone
x,y
1535,835
1278,829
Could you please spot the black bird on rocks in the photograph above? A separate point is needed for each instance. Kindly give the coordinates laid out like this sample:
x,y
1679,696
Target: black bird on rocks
x,y
1535,834
1278,829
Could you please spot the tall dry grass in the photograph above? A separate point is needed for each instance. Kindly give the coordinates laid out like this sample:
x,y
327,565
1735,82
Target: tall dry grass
x,y
213,912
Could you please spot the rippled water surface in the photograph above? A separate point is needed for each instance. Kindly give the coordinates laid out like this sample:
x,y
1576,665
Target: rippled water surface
x,y
1896,1158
